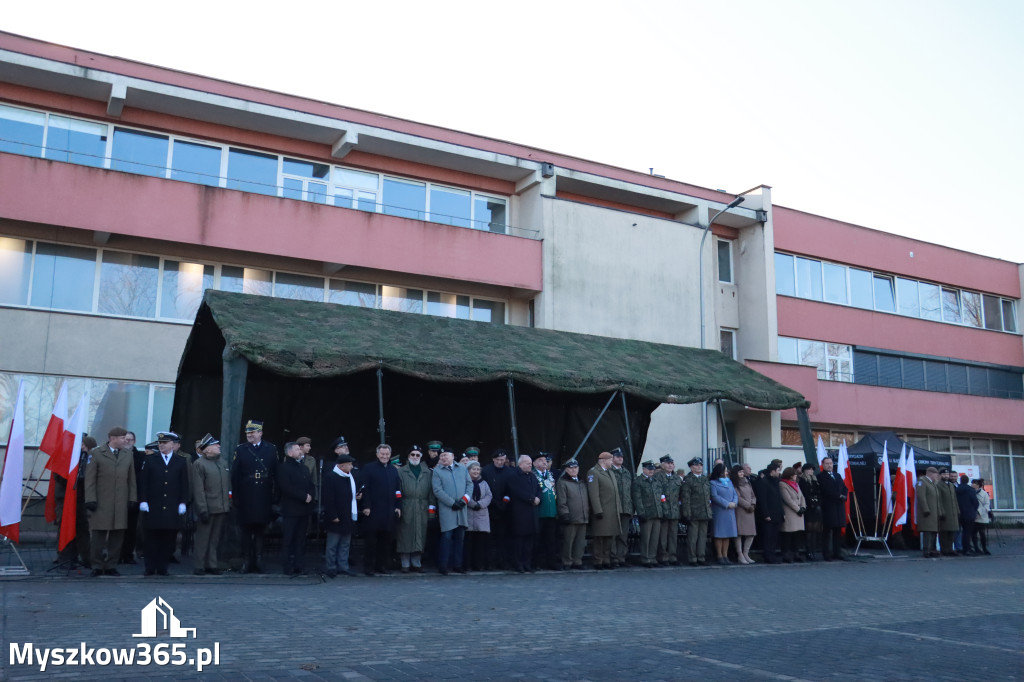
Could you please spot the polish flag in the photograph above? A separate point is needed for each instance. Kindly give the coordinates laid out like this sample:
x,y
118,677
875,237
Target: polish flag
x,y
54,444
69,517
820,451
843,469
13,471
884,486
900,504
911,477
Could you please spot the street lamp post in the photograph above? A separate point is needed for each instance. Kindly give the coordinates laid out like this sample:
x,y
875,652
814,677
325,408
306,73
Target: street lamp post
x,y
703,343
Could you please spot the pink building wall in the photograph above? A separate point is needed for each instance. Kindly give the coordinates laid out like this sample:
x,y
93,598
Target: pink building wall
x,y
834,240
123,203
875,407
844,324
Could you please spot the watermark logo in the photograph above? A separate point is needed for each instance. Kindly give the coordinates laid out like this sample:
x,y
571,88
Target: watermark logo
x,y
157,616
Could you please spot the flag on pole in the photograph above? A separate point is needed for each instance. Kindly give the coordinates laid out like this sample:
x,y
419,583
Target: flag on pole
x,y
11,478
912,489
69,517
843,469
820,451
884,486
55,445
899,507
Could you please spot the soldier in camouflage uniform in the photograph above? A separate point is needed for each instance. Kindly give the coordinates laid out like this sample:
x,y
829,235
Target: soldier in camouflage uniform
x,y
624,477
696,511
671,484
646,496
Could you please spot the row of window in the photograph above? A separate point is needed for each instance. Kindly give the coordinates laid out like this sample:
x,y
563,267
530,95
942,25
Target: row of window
x,y
823,281
106,282
102,145
1003,472
143,408
896,371
833,360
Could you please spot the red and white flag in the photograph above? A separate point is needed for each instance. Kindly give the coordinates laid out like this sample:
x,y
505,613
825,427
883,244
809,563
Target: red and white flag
x,y
820,451
912,489
843,469
55,446
884,486
69,517
11,478
899,507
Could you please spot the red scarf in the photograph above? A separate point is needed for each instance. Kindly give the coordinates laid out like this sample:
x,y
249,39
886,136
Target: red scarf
x,y
796,487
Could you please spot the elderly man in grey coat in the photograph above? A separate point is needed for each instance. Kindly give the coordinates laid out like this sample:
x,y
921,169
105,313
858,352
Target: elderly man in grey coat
x,y
453,490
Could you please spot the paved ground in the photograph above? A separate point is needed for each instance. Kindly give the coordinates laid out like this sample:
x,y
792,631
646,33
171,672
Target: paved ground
x,y
872,618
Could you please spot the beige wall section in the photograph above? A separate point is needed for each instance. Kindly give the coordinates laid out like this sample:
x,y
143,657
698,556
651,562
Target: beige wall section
x,y
619,274
675,430
40,342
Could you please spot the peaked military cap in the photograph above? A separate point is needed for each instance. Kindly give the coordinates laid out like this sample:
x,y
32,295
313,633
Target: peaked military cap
x,y
206,440
649,464
253,425
168,435
338,442
434,445
695,461
667,458
617,452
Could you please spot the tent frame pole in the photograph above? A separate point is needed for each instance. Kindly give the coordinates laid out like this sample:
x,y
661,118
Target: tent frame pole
x,y
596,422
512,416
380,404
629,435
725,435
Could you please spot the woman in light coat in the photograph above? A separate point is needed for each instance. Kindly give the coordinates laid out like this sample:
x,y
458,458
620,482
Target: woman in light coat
x,y
793,507
724,501
746,524
984,517
478,533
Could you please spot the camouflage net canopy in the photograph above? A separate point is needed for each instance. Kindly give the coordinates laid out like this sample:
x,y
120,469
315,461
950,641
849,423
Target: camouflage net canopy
x,y
310,340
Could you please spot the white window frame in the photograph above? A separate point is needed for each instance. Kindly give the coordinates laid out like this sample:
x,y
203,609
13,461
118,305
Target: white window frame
x,y
732,262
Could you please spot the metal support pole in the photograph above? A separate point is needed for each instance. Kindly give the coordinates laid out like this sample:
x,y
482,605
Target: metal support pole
x,y
629,436
380,404
725,434
512,415
596,422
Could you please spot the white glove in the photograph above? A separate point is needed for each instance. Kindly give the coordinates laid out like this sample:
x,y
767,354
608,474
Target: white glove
x,y
181,509
143,506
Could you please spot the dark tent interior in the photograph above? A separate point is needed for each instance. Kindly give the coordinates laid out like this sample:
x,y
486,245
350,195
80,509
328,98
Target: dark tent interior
x,y
312,369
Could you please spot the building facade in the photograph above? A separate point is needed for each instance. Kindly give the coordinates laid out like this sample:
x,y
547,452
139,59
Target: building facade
x,y
126,190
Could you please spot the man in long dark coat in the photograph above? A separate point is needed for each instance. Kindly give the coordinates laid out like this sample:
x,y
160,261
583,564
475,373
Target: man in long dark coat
x,y
252,483
497,476
524,492
163,494
833,511
381,503
769,510
295,482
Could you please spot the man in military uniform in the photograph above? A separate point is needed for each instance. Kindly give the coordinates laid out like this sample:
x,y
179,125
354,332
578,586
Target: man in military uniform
x,y
605,507
252,483
296,487
211,495
433,456
695,508
926,498
624,477
573,501
671,485
110,490
311,463
646,493
949,513
163,493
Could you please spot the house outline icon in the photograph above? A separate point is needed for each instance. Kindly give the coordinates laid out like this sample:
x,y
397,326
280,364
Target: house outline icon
x,y
158,611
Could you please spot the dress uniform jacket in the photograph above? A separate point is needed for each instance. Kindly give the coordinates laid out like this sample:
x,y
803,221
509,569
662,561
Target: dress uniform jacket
x,y
603,489
927,501
295,483
833,499
110,483
252,482
624,477
671,488
573,500
948,507
696,498
211,485
380,484
646,494
417,496
163,488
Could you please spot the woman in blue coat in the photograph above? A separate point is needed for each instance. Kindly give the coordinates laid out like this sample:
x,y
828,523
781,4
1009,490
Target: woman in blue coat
x,y
723,512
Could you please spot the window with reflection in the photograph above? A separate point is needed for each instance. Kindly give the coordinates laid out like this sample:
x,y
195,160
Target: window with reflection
x,y
488,311
785,280
885,297
15,267
246,280
788,351
401,299
808,279
448,305
1009,316
298,287
725,261
906,293
21,131
163,401
813,353
63,277
450,206
75,141
118,403
931,301
252,171
128,284
405,198
183,287
134,151
305,180
356,189
197,163
951,305
835,283
861,288
360,294
489,214
971,302
727,342
993,312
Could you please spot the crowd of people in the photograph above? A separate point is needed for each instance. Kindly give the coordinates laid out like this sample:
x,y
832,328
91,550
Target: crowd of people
x,y
459,516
